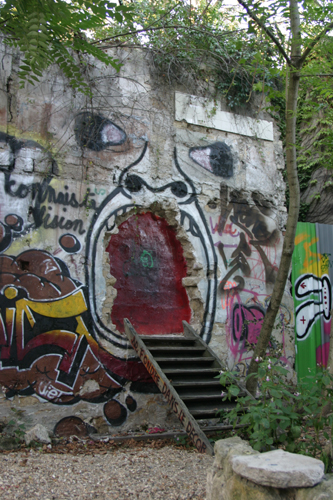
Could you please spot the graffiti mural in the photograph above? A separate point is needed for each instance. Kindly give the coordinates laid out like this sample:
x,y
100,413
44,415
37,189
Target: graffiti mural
x,y
312,291
103,216
248,243
216,158
53,342
125,198
312,309
46,346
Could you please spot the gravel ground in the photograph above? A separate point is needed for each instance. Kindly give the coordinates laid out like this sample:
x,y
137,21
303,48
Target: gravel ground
x,y
138,472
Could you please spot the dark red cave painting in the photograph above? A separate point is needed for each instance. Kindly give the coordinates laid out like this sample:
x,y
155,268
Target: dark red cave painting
x,y
148,263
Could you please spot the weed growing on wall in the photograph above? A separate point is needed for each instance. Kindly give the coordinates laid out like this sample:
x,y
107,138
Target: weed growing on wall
x,y
15,427
282,415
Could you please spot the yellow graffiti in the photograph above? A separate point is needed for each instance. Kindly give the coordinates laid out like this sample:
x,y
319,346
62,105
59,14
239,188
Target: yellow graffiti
x,y
312,259
34,136
66,307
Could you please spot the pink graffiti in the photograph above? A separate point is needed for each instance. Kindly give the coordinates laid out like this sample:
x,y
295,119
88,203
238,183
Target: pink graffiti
x,y
244,322
225,300
322,354
228,228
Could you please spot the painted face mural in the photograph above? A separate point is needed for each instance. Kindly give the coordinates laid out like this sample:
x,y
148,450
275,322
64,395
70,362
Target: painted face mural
x,y
79,254
123,200
216,158
54,339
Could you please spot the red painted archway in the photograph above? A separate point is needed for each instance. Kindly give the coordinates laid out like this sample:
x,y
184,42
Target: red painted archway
x,y
148,263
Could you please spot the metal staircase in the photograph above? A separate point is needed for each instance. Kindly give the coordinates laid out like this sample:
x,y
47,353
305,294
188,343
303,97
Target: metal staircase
x,y
183,367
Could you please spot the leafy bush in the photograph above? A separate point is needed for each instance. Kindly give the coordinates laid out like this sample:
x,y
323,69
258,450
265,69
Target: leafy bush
x,y
282,415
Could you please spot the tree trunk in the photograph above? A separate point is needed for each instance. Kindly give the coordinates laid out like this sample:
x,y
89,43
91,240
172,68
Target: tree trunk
x,y
294,200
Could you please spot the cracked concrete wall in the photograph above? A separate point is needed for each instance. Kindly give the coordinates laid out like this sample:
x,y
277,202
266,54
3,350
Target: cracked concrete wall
x,y
75,173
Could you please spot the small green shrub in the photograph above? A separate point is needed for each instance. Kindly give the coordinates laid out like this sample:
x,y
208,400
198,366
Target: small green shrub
x,y
281,415
15,427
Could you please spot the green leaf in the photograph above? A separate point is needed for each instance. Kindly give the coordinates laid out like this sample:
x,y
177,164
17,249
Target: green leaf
x,y
265,423
275,393
234,390
285,423
25,67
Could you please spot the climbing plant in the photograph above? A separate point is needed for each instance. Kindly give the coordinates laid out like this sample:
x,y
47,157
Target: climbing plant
x,y
201,47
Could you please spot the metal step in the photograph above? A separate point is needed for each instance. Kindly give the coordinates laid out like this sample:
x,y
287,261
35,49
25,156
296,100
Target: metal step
x,y
196,383
201,397
209,412
189,370
167,340
179,359
185,351
184,368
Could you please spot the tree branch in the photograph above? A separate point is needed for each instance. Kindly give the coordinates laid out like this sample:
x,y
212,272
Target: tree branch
x,y
314,42
313,76
268,32
144,30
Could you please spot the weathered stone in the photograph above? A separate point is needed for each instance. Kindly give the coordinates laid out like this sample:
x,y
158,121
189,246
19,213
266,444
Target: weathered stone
x,y
223,446
323,491
221,471
279,469
237,488
190,281
38,433
215,484
238,450
226,448
29,401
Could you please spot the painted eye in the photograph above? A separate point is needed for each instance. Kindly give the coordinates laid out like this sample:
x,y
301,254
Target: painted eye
x,y
69,243
111,134
216,158
97,133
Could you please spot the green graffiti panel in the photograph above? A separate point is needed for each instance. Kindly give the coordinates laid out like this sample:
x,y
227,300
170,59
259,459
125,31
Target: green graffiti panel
x,y
312,299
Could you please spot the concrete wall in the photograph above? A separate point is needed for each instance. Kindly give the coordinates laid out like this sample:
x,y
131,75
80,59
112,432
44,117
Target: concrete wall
x,y
111,208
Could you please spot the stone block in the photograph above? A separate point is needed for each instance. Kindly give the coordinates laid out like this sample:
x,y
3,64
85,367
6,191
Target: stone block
x,y
223,446
38,433
243,449
279,469
221,471
322,491
215,484
190,281
237,488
